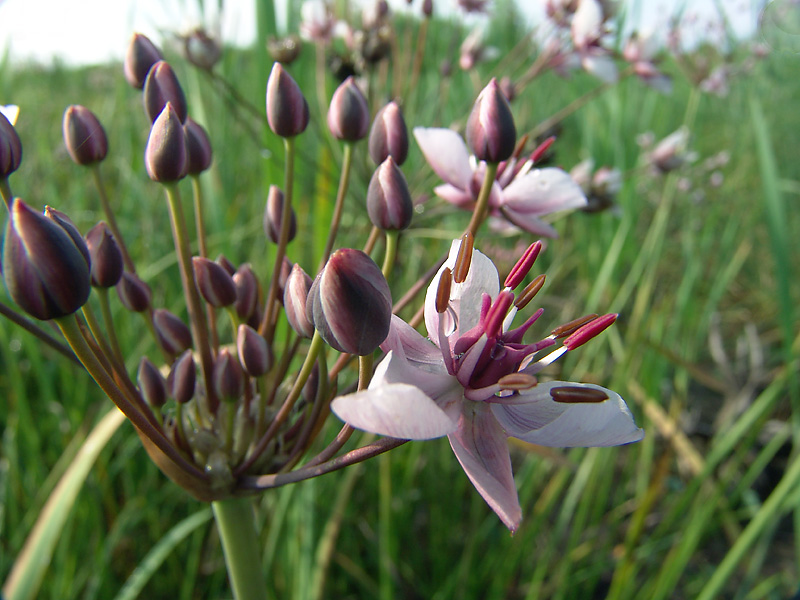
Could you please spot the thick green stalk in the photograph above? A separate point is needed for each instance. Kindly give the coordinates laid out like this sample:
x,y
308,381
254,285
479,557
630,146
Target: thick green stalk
x,y
391,253
237,531
482,204
344,183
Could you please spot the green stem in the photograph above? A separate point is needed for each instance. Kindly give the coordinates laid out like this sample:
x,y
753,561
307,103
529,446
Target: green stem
x,y
199,220
344,182
391,253
482,204
112,222
237,531
105,309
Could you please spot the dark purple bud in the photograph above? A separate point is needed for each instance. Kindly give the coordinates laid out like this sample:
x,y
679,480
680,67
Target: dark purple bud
x,y
134,293
198,147
151,383
295,297
226,264
348,115
273,213
142,54
287,109
246,284
67,225
350,303
10,148
491,134
84,136
427,8
254,352
46,274
182,378
106,257
228,376
508,88
283,277
201,49
165,154
214,282
388,200
389,135
173,334
160,87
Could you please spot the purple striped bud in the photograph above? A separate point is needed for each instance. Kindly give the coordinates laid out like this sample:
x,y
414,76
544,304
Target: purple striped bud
x,y
389,135
254,352
46,272
350,303
287,109
165,154
151,383
160,87
141,55
214,282
295,298
273,213
198,147
106,257
348,115
228,376
491,134
134,293
182,378
173,334
201,49
246,284
10,148
67,225
84,136
388,200
226,264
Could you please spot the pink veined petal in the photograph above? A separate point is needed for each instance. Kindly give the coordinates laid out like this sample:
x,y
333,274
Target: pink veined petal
x,y
482,449
586,23
455,196
546,422
543,191
446,153
599,64
529,223
410,344
396,410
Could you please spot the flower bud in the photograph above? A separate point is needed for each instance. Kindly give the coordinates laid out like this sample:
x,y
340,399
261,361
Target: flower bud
x,y
106,257
350,303
67,225
46,273
283,277
228,376
427,8
173,334
388,200
182,378
141,55
491,134
165,154
151,383
284,50
214,282
246,284
389,135
226,264
134,293
10,148
273,213
201,49
254,352
295,298
198,147
348,115
84,136
287,109
161,87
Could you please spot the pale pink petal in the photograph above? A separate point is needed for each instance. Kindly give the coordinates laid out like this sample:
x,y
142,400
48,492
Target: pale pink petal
x,y
455,196
481,447
598,63
530,223
586,23
396,410
543,191
410,344
541,420
446,153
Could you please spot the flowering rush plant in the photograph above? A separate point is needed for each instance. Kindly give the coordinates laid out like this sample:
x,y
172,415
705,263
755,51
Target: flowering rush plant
x,y
228,408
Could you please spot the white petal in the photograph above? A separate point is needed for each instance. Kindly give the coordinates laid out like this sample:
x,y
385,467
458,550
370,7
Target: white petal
x,y
601,65
530,223
546,422
396,410
446,153
10,112
586,23
543,191
432,379
454,195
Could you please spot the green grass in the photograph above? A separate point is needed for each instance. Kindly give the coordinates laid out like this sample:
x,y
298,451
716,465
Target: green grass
x,y
707,513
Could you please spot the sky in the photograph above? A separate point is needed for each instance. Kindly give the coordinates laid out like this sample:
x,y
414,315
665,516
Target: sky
x,y
78,32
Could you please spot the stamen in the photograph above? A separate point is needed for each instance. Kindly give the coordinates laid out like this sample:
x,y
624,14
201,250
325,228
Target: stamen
x,y
568,328
517,381
578,395
497,314
464,258
523,266
527,294
443,291
537,154
588,331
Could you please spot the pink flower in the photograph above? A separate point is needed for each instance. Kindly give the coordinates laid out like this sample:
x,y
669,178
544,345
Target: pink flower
x,y
520,193
474,381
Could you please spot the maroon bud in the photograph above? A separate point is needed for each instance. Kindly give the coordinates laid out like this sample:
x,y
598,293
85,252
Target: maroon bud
x,y
350,303
67,225
283,277
10,148
388,200
491,134
201,49
161,87
46,273
173,334
254,352
106,257
151,383
198,147
134,293
142,54
295,297
165,154
427,8
84,136
214,282
389,135
223,262
348,115
273,213
287,109
228,376
508,88
182,378
246,284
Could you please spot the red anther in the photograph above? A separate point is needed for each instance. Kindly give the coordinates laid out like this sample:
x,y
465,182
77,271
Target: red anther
x,y
588,331
578,395
497,314
537,154
530,290
443,291
572,326
464,258
523,266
